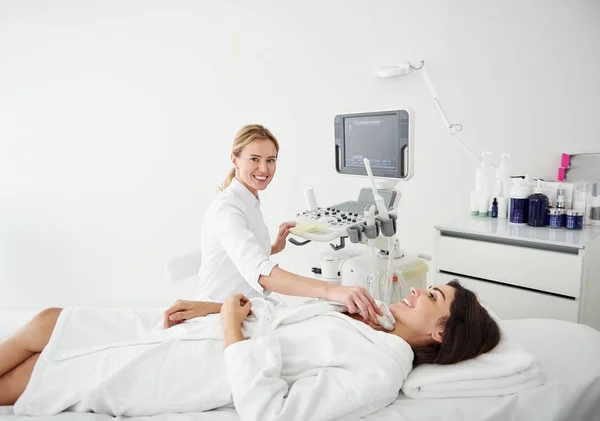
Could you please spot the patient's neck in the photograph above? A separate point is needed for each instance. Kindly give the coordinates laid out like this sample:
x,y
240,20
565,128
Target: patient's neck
x,y
371,324
414,339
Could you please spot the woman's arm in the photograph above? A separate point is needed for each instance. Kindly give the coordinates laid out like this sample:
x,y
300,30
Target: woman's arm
x,y
253,263
233,312
288,283
185,310
355,298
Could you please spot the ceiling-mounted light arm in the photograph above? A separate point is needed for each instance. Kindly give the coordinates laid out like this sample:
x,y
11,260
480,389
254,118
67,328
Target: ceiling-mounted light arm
x,y
394,71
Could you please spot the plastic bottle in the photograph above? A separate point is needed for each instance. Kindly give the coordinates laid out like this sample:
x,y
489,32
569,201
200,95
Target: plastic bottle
x,y
504,170
519,202
502,181
538,207
503,201
483,177
502,207
474,204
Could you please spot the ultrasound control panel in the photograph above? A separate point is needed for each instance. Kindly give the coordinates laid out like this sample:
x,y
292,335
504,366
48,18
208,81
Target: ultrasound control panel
x,y
338,218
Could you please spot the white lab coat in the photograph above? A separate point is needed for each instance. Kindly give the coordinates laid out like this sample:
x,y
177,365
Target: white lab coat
x,y
303,363
235,246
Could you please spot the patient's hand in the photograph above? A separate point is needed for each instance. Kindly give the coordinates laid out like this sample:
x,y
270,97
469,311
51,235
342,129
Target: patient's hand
x,y
185,310
235,309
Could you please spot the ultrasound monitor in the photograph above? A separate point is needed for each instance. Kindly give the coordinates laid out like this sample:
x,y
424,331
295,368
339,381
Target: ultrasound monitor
x,y
381,136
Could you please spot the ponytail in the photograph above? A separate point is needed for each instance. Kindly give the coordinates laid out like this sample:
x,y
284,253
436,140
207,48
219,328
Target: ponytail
x,y
228,180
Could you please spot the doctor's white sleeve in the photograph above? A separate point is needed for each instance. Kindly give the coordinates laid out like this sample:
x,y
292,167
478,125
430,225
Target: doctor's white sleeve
x,y
242,246
329,393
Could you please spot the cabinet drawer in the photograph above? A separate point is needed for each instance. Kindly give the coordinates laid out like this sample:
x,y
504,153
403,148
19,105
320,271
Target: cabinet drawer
x,y
514,303
542,270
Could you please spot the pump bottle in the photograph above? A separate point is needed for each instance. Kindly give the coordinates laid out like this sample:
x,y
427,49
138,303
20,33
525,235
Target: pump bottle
x,y
480,197
538,207
502,183
519,202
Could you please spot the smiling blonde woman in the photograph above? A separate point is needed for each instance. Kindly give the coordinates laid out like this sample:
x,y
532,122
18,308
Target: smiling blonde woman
x,y
235,243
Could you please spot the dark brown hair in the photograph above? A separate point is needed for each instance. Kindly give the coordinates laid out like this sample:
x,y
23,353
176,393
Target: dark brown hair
x,y
469,331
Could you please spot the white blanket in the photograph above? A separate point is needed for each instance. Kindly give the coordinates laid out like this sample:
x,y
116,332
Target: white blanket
x,y
302,363
505,370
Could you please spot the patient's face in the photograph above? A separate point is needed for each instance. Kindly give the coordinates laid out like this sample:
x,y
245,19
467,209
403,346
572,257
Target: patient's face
x,y
421,310
256,165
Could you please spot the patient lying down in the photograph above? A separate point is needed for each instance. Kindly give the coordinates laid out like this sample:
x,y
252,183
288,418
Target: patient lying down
x,y
310,362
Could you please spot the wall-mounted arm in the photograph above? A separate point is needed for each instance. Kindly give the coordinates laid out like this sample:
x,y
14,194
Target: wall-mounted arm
x,y
452,128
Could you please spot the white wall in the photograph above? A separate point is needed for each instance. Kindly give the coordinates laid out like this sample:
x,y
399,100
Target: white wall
x,y
116,119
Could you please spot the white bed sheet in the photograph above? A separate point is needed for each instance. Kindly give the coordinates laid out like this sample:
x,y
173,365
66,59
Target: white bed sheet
x,y
569,355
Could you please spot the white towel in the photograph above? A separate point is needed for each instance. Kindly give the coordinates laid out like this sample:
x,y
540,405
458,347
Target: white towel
x,y
505,370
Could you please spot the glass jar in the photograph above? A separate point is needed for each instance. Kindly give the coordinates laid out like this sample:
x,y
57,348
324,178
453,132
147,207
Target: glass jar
x,y
556,218
573,220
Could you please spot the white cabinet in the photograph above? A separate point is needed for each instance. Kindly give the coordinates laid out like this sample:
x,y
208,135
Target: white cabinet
x,y
521,271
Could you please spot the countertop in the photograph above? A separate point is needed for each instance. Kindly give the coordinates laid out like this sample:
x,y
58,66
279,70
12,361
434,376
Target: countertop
x,y
475,226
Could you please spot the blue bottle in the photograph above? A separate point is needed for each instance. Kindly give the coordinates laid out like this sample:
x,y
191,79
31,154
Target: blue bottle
x,y
495,208
519,202
538,207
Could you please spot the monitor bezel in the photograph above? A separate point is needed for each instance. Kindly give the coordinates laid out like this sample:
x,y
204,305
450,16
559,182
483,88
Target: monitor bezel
x,y
403,170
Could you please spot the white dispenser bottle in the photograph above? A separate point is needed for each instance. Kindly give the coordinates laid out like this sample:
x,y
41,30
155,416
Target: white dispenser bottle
x,y
502,185
504,172
484,181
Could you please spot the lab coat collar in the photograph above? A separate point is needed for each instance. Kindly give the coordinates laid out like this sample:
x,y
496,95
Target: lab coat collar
x,y
243,193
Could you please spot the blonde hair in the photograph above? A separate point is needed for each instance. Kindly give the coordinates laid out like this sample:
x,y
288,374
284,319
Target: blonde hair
x,y
243,138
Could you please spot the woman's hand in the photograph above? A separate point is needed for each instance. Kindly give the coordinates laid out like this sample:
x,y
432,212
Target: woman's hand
x,y
185,310
356,299
235,309
284,231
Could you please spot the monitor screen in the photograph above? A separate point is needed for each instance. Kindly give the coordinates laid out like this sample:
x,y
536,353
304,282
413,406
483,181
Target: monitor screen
x,y
381,136
369,137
